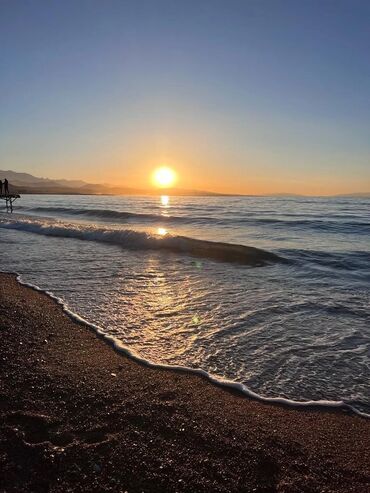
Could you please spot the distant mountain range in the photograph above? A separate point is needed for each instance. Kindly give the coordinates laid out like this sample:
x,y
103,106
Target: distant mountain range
x,y
26,183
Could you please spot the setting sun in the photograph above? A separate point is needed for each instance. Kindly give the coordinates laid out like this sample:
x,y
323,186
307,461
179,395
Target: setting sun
x,y
164,177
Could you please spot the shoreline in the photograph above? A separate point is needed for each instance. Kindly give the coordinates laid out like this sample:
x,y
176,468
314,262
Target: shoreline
x,y
79,416
239,388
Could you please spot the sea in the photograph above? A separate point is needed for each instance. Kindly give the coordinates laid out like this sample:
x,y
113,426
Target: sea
x,y
171,281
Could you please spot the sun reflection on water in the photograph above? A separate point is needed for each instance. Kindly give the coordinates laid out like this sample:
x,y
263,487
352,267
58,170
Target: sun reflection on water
x,y
165,200
164,300
162,231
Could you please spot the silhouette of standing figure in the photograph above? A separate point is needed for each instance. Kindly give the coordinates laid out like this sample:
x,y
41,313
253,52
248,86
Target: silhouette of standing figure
x,y
6,187
1,187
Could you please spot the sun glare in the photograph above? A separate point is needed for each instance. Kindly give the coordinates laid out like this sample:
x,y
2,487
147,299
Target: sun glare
x,y
164,177
165,200
162,231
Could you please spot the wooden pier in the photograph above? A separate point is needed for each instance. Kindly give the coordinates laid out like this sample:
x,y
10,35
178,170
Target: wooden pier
x,y
9,199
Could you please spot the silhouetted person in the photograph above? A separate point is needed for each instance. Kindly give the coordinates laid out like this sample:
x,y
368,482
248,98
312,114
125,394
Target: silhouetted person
x,y
1,187
6,187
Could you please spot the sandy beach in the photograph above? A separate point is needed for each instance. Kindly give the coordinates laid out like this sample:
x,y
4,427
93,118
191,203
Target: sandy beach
x,y
76,416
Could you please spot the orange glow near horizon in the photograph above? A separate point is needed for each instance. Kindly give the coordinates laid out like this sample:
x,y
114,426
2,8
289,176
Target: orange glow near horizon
x,y
256,177
164,177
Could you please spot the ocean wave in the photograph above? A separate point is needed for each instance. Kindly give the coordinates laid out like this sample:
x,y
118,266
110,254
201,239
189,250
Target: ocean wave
x,y
134,240
309,222
109,214
326,225
343,261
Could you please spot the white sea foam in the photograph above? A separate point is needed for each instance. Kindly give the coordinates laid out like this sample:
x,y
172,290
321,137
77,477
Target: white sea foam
x,y
132,239
120,347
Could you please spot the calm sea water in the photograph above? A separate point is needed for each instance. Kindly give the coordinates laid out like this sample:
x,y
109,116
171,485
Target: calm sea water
x,y
298,328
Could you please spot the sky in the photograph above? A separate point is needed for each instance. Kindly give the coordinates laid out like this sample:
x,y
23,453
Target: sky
x,y
249,96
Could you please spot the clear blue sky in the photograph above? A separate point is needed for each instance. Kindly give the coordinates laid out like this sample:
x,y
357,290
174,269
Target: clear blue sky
x,y
246,96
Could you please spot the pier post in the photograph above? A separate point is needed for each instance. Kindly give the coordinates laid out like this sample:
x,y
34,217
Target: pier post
x,y
9,199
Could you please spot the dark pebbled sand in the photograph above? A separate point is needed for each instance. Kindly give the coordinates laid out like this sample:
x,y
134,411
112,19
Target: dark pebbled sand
x,y
69,425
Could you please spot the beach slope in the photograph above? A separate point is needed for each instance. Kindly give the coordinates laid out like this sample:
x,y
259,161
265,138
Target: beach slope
x,y
76,416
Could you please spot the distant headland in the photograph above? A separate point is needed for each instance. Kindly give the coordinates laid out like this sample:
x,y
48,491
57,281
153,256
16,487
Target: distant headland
x,y
25,183
29,184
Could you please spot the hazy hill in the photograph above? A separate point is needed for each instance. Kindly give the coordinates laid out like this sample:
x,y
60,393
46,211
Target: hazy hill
x,y
25,180
26,183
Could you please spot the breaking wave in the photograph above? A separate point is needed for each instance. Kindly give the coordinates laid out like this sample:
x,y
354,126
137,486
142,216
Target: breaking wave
x,y
130,239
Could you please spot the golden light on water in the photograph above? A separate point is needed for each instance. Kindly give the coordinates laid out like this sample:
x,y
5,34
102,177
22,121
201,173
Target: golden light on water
x,y
165,200
164,177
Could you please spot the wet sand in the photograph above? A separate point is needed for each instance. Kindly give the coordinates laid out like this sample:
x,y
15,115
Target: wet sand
x,y
76,416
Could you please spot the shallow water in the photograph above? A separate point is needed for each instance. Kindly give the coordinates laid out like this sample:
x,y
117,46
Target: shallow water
x,y
299,329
